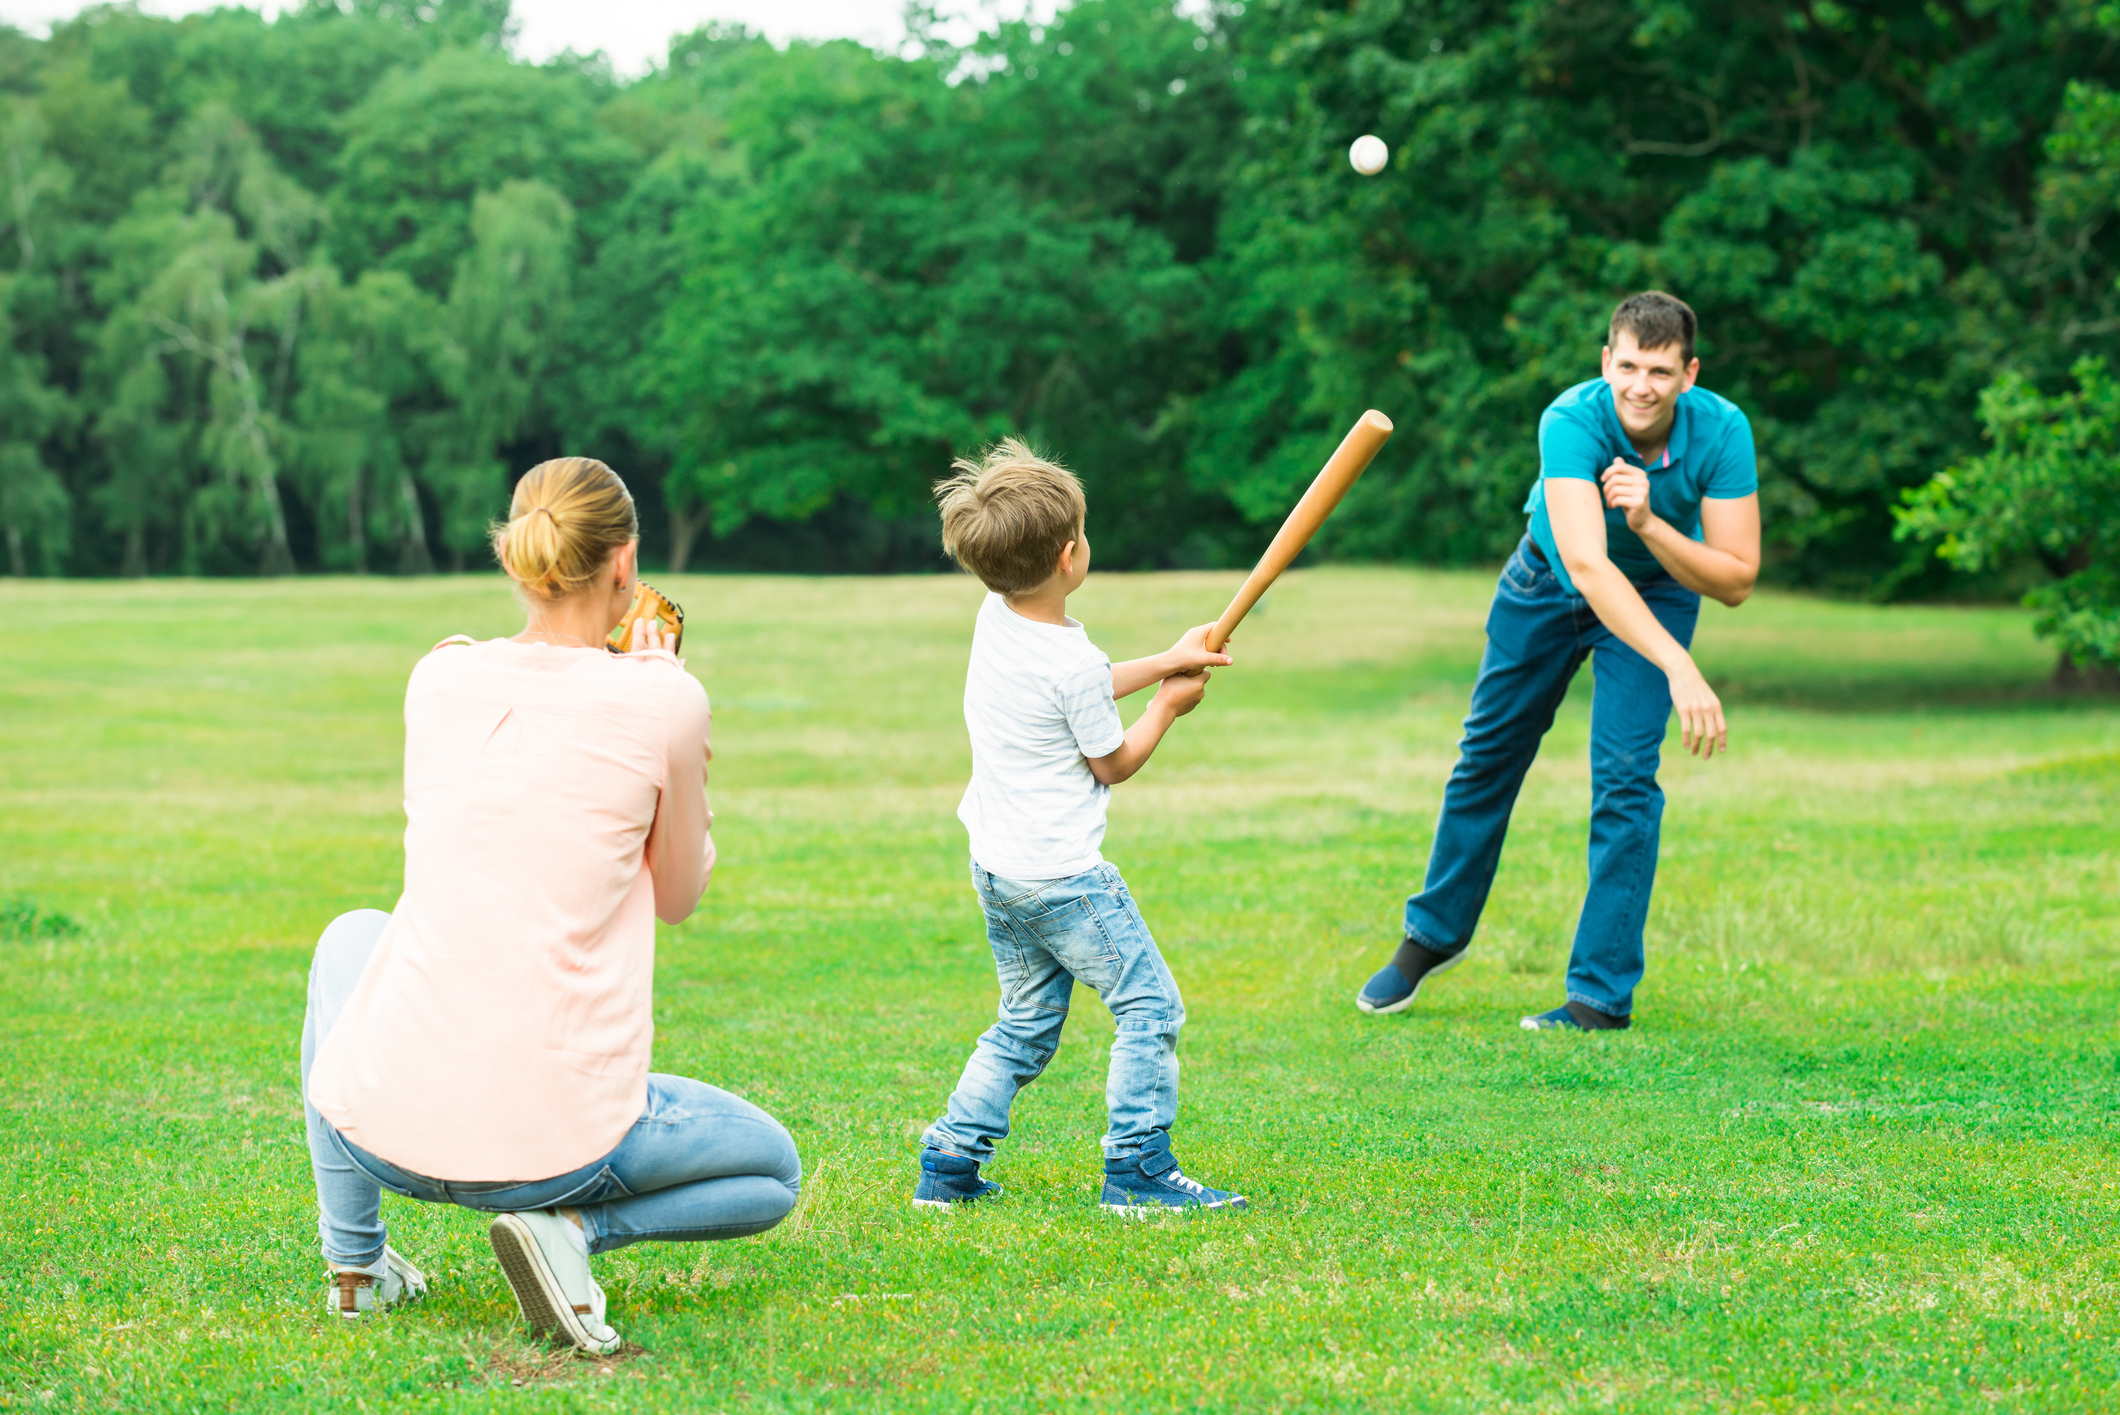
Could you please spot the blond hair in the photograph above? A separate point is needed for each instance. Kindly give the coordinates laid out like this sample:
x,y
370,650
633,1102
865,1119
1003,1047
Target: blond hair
x,y
567,517
1007,516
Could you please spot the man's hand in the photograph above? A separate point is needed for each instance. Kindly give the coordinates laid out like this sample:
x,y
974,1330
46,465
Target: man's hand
x,y
1181,692
1191,654
1627,489
1701,728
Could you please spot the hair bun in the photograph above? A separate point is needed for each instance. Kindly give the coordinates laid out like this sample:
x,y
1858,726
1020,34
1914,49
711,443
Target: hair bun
x,y
588,514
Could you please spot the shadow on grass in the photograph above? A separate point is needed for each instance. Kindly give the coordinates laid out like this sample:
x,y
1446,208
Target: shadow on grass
x,y
1929,688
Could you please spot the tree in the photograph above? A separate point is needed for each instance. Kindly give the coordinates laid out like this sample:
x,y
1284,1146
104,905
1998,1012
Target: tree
x,y
2049,486
508,307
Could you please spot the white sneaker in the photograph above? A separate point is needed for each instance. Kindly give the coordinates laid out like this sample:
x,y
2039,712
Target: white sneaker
x,y
359,1292
546,1260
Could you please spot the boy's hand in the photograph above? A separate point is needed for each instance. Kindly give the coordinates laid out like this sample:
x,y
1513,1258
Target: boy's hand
x,y
1191,654
1181,692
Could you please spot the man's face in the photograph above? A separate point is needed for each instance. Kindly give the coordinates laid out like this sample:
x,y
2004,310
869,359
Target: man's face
x,y
1646,384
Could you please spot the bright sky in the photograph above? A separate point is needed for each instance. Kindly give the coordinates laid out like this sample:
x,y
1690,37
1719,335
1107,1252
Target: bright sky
x,y
633,32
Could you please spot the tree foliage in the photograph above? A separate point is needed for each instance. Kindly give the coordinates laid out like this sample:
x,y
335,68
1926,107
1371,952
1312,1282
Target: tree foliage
x,y
304,294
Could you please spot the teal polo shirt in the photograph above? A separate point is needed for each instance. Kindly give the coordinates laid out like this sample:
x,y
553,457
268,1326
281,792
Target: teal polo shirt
x,y
1710,454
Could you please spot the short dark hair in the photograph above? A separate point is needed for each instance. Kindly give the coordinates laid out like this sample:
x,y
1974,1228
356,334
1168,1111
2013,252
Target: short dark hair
x,y
1655,319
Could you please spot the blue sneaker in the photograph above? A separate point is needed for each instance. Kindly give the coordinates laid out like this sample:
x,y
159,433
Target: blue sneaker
x,y
1149,1181
1398,982
947,1179
1575,1017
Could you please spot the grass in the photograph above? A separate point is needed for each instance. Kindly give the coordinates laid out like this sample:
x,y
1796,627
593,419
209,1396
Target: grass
x,y
1858,1154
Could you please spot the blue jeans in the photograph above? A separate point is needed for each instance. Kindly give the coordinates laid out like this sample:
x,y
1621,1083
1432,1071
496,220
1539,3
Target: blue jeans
x,y
1537,637
698,1164
1046,934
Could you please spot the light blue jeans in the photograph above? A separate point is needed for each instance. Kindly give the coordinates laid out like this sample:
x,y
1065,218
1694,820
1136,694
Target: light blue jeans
x,y
698,1164
1045,935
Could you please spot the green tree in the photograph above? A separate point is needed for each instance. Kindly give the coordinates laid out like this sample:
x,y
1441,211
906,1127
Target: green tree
x,y
35,511
508,307
2048,486
425,142
366,407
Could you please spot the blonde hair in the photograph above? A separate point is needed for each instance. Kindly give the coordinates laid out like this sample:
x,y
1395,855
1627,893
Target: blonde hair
x,y
567,517
1007,516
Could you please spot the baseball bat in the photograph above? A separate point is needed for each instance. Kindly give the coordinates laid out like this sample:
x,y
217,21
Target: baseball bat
x,y
1340,472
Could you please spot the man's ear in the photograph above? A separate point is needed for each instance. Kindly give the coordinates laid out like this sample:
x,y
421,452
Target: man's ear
x,y
1067,559
1692,375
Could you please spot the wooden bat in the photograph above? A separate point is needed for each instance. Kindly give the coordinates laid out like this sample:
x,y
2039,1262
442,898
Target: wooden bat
x,y
1341,470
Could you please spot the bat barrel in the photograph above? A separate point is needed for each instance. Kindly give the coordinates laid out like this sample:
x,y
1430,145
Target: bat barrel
x,y
1339,473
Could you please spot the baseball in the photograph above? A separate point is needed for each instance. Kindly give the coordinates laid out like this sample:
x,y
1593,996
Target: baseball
x,y
1368,154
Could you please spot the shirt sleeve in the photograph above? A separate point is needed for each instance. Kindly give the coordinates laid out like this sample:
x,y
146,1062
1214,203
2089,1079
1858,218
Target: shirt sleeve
x,y
1086,699
680,849
1736,469
1568,448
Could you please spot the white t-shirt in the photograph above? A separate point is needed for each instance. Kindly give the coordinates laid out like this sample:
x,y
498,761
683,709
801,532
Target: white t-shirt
x,y
1038,701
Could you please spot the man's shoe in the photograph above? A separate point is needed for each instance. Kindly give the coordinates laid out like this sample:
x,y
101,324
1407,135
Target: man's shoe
x,y
1149,1181
1398,982
1577,1017
360,1292
947,1179
545,1258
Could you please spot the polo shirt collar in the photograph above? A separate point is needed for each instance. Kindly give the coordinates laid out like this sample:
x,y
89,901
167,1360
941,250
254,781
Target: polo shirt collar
x,y
1674,449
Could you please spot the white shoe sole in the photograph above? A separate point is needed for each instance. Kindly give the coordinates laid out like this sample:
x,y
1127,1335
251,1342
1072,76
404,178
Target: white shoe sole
x,y
1150,1210
538,1295
1363,1004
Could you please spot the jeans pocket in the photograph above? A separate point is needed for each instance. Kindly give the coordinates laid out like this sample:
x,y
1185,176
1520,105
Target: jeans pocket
x,y
1521,574
600,1188
1076,937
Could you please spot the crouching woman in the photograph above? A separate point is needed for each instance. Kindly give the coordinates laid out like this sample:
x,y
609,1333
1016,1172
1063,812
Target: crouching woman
x,y
486,1042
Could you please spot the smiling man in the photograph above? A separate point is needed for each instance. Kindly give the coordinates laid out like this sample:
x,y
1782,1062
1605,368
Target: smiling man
x,y
1647,499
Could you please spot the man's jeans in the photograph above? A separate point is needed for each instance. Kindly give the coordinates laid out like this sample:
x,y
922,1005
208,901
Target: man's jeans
x,y
1045,935
1537,637
698,1164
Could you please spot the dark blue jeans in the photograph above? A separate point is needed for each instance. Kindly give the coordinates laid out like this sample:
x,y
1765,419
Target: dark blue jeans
x,y
1538,635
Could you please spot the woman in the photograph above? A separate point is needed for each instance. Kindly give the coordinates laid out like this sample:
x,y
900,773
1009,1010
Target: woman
x,y
486,1042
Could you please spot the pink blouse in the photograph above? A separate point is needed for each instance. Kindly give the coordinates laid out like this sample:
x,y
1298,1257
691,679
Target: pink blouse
x,y
555,805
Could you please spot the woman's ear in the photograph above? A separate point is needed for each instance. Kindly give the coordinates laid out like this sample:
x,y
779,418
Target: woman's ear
x,y
625,563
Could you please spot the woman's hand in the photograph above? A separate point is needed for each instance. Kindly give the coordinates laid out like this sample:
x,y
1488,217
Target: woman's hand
x,y
1700,715
648,636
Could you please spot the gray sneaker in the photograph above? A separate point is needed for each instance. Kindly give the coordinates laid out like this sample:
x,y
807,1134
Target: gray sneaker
x,y
546,1261
361,1292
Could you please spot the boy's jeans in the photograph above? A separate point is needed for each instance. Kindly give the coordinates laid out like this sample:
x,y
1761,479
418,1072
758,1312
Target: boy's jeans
x,y
1045,935
1537,637
698,1164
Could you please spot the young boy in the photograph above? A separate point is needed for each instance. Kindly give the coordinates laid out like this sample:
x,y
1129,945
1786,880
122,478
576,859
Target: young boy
x,y
1047,747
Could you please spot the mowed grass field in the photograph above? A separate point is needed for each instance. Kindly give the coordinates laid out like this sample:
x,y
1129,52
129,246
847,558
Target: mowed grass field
x,y
1857,1154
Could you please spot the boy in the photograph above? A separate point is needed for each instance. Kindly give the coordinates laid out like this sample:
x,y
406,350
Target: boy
x,y
1047,747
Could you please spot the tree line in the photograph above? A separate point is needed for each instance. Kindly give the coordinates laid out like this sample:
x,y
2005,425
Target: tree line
x,y
302,295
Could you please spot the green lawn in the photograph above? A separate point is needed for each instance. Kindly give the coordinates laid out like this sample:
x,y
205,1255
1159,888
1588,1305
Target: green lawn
x,y
1858,1153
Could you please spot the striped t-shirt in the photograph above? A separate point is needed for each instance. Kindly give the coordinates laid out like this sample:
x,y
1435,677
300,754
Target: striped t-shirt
x,y
1038,701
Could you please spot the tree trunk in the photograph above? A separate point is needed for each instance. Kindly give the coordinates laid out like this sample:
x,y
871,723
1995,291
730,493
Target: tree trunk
x,y
685,525
2071,677
357,525
413,557
134,565
14,553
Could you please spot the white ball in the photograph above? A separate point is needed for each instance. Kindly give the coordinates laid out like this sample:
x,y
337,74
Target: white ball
x,y
1368,154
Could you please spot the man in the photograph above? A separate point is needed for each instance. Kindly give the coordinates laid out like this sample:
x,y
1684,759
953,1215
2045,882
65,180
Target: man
x,y
1647,499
